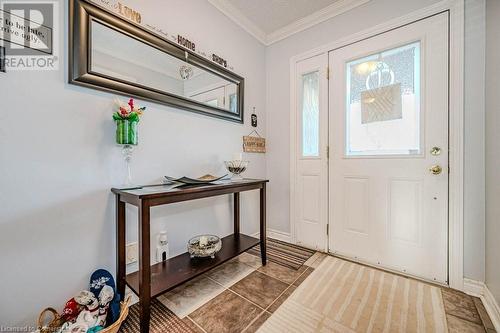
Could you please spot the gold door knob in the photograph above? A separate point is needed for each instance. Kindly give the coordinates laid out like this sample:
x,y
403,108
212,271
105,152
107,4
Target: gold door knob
x,y
435,169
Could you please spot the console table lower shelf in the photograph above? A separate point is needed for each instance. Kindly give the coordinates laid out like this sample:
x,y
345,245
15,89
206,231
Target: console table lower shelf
x,y
151,281
173,272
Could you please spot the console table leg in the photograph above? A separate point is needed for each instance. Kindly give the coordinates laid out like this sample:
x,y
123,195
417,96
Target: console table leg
x,y
120,246
237,213
263,237
144,266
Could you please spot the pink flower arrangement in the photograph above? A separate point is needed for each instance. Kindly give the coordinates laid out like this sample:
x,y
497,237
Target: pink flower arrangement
x,y
128,111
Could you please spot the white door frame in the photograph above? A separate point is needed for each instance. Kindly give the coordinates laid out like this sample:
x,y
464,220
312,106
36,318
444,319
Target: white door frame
x,y
456,123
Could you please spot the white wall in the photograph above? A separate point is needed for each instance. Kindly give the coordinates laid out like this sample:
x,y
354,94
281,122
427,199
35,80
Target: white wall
x,y
493,148
278,117
474,168
58,162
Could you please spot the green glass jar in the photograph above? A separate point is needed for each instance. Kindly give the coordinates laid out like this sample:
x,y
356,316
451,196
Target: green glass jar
x,y
126,132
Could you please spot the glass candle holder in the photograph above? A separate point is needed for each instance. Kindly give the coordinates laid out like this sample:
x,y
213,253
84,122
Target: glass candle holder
x,y
236,168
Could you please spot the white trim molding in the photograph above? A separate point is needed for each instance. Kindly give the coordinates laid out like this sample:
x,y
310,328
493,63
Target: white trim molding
x,y
473,287
336,8
276,234
455,8
279,235
235,14
479,289
456,145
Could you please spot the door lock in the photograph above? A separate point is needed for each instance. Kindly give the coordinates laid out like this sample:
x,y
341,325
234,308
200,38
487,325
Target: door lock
x,y
435,169
435,151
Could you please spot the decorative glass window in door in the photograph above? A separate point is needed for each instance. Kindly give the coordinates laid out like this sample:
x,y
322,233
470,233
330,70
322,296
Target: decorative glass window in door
x,y
383,103
310,114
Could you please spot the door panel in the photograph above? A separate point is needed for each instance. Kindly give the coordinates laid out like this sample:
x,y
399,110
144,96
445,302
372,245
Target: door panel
x,y
311,183
388,108
355,196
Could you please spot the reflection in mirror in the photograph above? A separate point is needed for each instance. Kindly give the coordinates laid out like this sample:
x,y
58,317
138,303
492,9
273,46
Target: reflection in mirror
x,y
122,57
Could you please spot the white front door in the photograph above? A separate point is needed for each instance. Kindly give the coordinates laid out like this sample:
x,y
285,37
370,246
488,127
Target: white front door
x,y
311,164
388,115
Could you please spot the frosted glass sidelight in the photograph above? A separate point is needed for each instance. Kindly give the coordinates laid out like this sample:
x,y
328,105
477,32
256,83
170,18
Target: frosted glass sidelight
x,y
310,114
383,103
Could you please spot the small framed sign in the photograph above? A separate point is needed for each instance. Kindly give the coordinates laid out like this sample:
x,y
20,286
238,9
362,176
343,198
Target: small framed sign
x,y
253,144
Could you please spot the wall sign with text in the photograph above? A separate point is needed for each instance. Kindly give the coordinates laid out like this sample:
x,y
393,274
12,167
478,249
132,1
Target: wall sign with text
x,y
135,16
253,144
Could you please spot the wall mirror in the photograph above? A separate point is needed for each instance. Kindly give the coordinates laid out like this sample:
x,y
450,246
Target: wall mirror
x,y
112,54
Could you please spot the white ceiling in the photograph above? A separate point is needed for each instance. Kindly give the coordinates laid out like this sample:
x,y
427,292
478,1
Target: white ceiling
x,y
272,20
270,15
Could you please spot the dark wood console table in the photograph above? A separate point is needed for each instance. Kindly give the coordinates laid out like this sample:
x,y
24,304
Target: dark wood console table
x,y
151,281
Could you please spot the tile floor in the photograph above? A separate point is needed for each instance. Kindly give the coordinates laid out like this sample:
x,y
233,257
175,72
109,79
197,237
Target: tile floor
x,y
240,295
237,296
465,313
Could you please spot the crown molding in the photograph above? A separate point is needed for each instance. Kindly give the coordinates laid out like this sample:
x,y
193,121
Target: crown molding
x,y
337,8
233,13
237,17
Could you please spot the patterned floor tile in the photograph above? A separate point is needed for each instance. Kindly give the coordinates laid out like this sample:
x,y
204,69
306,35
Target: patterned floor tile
x,y
259,288
282,273
458,325
460,305
230,272
485,318
227,312
190,296
257,323
250,260
316,259
192,325
277,303
319,260
311,260
304,276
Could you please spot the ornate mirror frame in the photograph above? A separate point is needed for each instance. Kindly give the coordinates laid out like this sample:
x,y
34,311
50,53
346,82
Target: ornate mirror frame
x,y
81,15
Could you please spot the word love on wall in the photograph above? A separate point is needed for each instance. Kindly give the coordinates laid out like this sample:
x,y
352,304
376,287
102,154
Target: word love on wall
x,y
136,17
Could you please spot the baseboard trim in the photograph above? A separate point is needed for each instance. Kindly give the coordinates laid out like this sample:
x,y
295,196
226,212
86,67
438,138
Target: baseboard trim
x,y
473,287
276,234
479,289
492,307
279,235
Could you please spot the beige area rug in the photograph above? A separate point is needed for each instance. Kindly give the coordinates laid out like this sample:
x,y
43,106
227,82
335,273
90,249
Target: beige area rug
x,y
340,296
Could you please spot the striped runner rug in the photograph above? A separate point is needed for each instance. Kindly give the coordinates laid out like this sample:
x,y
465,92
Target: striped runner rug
x,y
341,296
285,254
162,320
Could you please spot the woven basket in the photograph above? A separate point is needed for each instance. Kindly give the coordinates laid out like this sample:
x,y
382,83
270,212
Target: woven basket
x,y
54,324
115,327
57,321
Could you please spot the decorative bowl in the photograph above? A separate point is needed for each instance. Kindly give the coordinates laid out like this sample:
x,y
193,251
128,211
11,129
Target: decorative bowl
x,y
236,168
203,180
204,246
